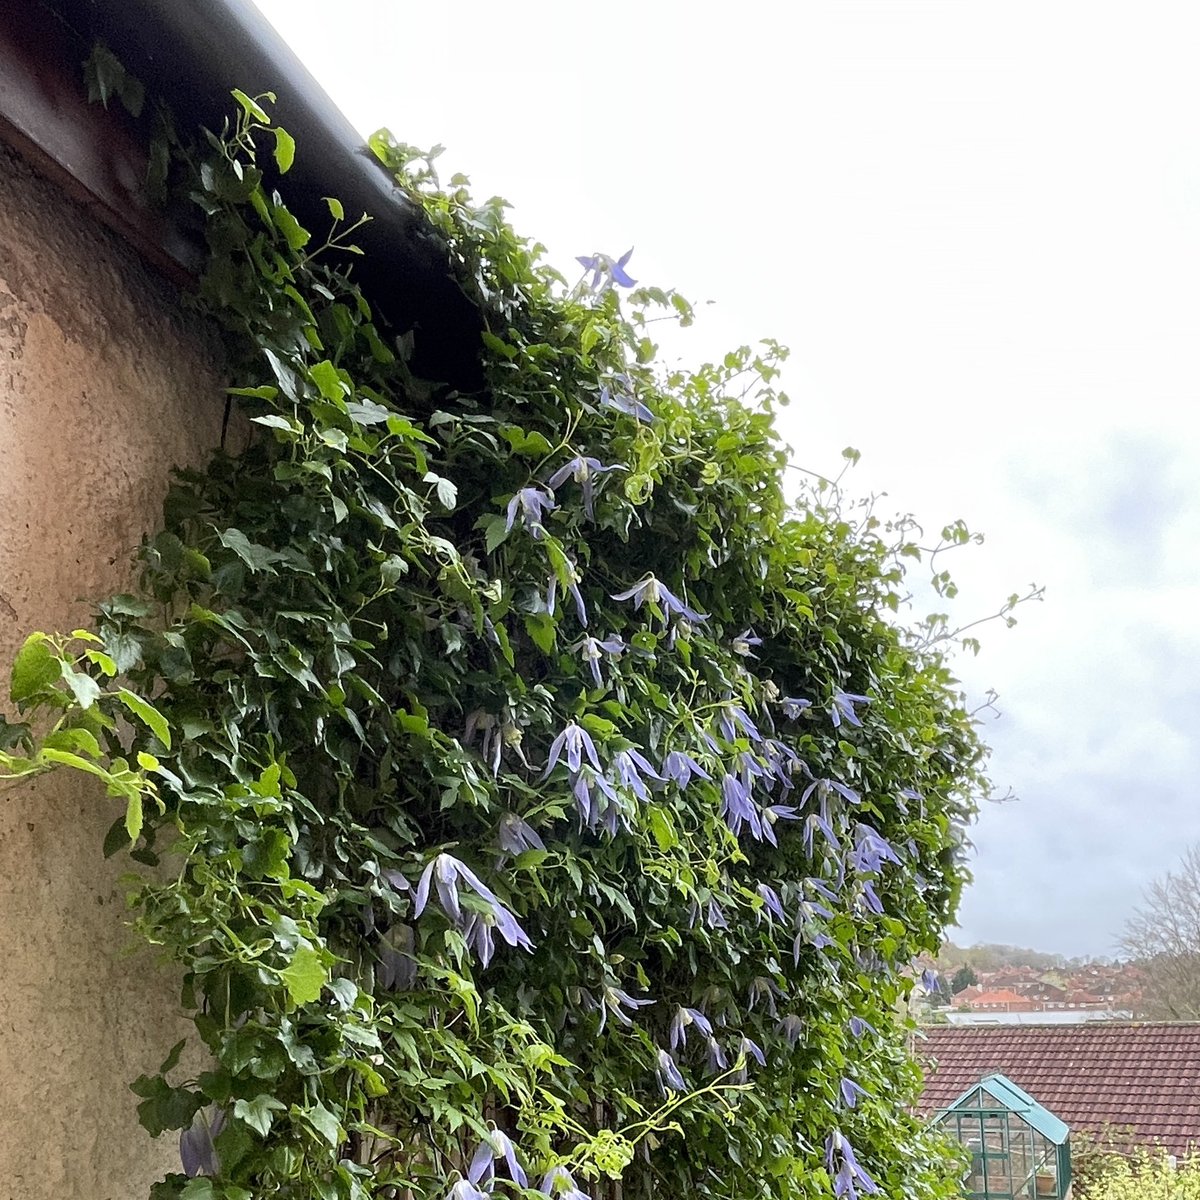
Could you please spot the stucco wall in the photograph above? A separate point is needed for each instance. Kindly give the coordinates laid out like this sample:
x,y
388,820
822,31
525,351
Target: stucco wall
x,y
104,384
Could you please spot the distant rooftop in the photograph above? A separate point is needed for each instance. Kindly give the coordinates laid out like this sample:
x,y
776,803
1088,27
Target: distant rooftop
x,y
1136,1080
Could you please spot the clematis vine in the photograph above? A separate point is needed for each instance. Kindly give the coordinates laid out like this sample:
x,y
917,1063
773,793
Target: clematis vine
x,y
652,591
848,1177
794,707
616,1001
495,1147
860,1025
575,742
733,717
558,1184
530,504
515,835
606,270
842,708
625,402
669,1077
447,873
871,850
681,769
572,590
851,1093
584,471
743,643
591,650
197,1152
772,905
629,767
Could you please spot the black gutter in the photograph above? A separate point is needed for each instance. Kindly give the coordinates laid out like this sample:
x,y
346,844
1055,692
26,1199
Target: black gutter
x,y
193,53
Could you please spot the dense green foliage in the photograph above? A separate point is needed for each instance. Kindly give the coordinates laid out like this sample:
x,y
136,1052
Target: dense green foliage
x,y
684,795
1143,1175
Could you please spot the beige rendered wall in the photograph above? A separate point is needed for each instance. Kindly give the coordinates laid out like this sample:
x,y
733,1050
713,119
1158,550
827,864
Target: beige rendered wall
x,y
104,384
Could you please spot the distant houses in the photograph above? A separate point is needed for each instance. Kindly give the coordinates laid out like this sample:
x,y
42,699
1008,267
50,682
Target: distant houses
x,y
1123,1083
1094,990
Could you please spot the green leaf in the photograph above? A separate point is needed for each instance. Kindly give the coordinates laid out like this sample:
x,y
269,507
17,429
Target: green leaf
x,y
35,670
325,1123
256,557
133,816
285,150
147,714
541,628
252,107
325,375
273,422
84,688
200,1188
305,975
258,1113
336,211
293,232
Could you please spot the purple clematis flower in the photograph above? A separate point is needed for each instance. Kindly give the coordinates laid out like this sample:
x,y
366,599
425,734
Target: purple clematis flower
x,y
680,768
606,808
652,591
606,270
771,902
496,1146
685,1017
791,1027
668,1074
573,591
871,898
766,989
714,918
584,471
851,1092
848,1177
743,643
196,1150
751,1049
627,403
591,649
716,1056
842,708
447,873
616,1001
628,767
794,706
814,822
771,815
733,717
576,742
871,850
531,504
558,1185
930,980
464,1189
515,835
737,809
859,1026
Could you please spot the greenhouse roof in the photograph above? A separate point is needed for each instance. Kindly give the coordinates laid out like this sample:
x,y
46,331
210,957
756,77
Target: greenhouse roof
x,y
1009,1096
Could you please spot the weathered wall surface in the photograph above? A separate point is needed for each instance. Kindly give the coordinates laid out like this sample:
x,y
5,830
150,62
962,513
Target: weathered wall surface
x,y
104,385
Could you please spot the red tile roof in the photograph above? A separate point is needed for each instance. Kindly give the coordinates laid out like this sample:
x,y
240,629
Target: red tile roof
x,y
1140,1080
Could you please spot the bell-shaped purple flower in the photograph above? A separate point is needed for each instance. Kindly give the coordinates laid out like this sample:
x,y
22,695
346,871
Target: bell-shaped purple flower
x,y
628,768
652,591
196,1149
669,1077
464,1189
681,768
530,504
850,1092
683,1019
794,706
584,471
616,1001
772,905
860,1025
515,835
591,650
744,642
848,1177
606,270
447,873
842,708
732,718
575,742
558,1184
871,850
791,1027
496,1147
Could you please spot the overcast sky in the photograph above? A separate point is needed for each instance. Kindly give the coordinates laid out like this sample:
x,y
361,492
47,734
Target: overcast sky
x,y
977,224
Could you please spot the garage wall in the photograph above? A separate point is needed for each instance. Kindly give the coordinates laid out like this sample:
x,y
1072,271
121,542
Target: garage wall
x,y
105,383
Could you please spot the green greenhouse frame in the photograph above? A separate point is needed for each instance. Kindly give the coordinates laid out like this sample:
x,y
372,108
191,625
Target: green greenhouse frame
x,y
1019,1150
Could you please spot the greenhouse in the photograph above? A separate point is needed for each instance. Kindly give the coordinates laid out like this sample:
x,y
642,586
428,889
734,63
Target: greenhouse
x,y
1019,1150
